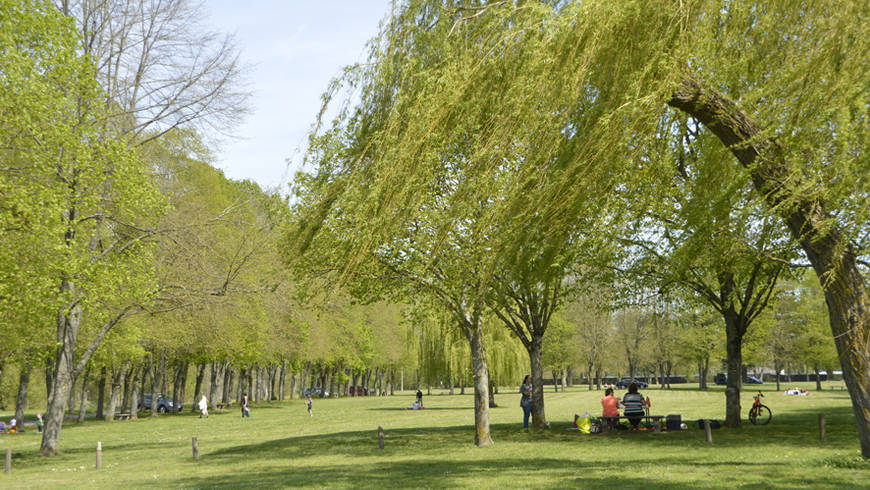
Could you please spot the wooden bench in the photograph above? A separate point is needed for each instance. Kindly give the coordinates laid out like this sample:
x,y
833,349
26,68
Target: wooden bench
x,y
221,406
123,416
609,422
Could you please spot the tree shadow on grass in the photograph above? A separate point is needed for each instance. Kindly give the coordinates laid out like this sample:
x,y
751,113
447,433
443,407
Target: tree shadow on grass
x,y
426,409
433,472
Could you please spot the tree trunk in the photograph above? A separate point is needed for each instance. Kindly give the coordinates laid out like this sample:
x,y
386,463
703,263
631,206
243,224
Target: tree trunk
x,y
355,383
118,378
163,377
704,371
177,390
734,353
63,376
282,380
598,378
818,378
481,385
534,349
154,368
132,403
101,393
668,367
227,395
23,384
200,374
250,380
777,366
553,373
49,376
294,381
125,399
831,254
83,402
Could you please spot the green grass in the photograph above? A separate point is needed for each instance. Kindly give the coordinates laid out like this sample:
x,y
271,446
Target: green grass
x,y
281,446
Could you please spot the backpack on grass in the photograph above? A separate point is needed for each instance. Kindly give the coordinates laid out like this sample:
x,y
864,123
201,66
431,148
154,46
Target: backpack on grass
x,y
714,424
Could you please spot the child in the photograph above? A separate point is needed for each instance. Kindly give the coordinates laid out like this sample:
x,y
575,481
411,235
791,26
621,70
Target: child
x,y
39,422
310,411
246,412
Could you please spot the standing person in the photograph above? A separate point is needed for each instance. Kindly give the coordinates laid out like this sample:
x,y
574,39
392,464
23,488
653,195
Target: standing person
x,y
634,405
420,396
526,399
203,406
246,412
310,411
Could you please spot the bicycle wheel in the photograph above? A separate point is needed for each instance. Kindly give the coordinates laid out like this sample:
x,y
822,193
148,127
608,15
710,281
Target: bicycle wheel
x,y
760,415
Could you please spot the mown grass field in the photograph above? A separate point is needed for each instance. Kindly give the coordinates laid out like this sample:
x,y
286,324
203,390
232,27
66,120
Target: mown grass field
x,y
281,446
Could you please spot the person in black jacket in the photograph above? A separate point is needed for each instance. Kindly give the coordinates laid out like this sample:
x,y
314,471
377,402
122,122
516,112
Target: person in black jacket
x,y
420,397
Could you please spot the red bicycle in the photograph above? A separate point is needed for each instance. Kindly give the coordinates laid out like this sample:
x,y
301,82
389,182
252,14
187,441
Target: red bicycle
x,y
759,414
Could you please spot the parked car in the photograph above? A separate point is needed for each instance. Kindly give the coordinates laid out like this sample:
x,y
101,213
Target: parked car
x,y
164,403
316,393
721,379
752,380
624,382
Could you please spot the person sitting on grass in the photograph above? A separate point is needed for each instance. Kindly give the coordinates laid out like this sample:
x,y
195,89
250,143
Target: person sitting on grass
x,y
633,403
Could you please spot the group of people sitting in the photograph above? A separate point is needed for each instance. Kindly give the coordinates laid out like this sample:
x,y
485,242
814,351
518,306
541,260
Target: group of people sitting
x,y
418,403
797,391
633,405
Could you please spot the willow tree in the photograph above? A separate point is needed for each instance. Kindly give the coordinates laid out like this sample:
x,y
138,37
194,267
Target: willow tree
x,y
783,88
705,231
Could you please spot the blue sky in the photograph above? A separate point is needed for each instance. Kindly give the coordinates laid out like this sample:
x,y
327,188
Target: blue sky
x,y
294,48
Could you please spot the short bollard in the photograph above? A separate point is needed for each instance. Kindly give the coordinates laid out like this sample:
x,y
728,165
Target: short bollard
x,y
822,427
709,432
195,449
99,454
380,437
8,460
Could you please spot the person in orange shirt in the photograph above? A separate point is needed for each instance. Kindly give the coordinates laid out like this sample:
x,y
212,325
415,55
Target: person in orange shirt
x,y
610,405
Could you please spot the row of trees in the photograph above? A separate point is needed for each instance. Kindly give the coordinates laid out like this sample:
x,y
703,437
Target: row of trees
x,y
503,190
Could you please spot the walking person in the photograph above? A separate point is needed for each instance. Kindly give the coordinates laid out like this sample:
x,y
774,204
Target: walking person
x,y
246,412
526,399
203,406
310,410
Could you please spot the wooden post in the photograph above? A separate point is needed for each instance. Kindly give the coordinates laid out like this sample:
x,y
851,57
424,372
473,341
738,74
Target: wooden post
x,y
822,427
195,449
380,437
8,460
99,454
709,431
658,426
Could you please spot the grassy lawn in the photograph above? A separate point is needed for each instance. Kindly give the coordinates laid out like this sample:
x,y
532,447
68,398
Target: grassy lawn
x,y
281,446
